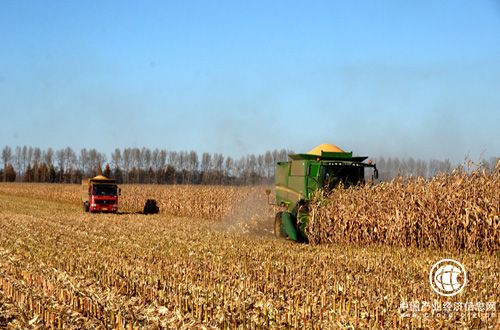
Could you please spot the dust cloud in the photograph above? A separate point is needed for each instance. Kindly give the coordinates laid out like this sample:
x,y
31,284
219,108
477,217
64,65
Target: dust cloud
x,y
252,216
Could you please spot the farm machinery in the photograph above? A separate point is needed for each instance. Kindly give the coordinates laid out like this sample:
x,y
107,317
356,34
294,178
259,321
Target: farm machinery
x,y
100,194
324,167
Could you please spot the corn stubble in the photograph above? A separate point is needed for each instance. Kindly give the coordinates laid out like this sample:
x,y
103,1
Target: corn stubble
x,y
61,268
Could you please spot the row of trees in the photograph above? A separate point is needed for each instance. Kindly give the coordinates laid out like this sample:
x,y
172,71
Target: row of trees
x,y
392,167
134,165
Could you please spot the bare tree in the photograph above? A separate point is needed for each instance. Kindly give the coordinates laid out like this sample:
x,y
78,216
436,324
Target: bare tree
x,y
172,159
146,158
206,163
101,159
218,165
96,160
445,166
70,164
180,165
49,157
268,162
260,166
29,156
159,158
116,158
229,169
161,164
136,164
17,161
60,157
170,170
6,158
193,164
421,168
24,159
84,161
127,161
37,158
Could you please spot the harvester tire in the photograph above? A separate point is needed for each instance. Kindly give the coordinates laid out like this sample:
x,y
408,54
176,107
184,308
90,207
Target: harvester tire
x,y
86,207
278,233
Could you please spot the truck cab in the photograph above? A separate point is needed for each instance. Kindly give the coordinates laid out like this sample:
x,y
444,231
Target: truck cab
x,y
324,167
100,194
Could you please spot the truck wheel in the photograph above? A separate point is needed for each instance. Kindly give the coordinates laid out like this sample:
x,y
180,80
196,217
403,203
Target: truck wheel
x,y
278,233
86,207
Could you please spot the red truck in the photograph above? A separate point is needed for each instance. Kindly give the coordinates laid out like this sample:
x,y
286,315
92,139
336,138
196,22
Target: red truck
x,y
100,194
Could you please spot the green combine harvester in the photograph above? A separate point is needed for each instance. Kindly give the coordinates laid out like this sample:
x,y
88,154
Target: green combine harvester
x,y
324,167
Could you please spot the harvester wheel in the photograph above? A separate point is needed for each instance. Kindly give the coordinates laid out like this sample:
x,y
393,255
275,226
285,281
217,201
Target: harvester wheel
x,y
86,207
278,233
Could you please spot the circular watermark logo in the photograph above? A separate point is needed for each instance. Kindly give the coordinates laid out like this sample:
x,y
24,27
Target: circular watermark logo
x,y
448,277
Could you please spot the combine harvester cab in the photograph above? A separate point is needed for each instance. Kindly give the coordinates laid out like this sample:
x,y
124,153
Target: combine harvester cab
x,y
100,194
324,167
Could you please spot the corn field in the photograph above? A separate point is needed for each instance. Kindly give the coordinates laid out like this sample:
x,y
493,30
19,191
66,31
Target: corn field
x,y
61,268
203,202
450,211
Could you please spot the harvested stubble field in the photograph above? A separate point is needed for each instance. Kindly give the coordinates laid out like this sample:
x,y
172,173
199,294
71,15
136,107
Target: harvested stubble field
x,y
192,268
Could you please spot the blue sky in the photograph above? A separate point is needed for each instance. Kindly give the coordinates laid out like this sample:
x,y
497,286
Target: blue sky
x,y
392,78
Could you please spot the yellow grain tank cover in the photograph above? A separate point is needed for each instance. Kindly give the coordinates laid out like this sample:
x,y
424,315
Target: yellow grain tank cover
x,y
100,178
325,147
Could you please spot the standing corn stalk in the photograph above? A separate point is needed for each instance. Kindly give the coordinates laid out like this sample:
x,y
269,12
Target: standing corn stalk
x,y
452,211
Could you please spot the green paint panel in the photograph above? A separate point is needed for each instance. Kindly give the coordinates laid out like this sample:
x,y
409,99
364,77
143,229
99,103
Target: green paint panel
x,y
287,226
298,168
